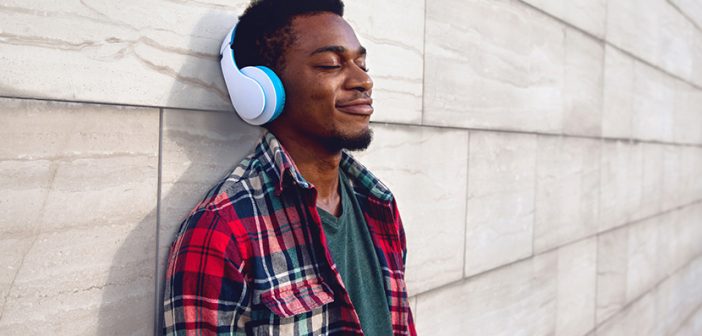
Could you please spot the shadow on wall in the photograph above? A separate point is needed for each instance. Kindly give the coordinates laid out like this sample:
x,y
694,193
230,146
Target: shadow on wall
x,y
197,149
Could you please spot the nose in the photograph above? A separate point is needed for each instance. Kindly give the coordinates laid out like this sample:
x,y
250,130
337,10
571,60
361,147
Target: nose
x,y
359,80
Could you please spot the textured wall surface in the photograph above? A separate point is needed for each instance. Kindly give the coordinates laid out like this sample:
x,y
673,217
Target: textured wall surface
x,y
546,156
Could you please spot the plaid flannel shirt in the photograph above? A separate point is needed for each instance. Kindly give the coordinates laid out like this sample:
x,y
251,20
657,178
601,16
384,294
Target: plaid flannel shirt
x,y
252,257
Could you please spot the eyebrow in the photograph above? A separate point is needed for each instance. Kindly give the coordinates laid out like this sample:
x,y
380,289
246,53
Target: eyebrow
x,y
337,49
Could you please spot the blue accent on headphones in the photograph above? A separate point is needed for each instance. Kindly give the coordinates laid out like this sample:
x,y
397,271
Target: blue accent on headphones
x,y
279,90
256,92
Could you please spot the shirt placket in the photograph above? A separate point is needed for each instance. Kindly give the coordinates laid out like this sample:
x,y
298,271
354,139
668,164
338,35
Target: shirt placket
x,y
311,206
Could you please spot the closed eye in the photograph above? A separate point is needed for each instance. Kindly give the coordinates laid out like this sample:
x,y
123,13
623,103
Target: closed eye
x,y
332,67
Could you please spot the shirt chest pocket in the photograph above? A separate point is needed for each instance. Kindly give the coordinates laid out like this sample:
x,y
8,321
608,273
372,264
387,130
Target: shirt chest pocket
x,y
298,298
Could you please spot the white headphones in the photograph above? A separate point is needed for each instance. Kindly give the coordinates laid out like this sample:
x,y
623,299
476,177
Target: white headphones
x,y
256,92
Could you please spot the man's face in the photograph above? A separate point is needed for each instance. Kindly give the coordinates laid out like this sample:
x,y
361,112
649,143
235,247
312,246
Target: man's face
x,y
327,87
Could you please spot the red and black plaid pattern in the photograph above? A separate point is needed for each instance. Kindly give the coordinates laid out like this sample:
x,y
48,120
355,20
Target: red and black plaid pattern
x,y
252,258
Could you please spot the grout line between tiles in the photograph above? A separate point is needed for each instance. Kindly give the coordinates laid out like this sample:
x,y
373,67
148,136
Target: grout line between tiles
x,y
93,102
424,62
597,237
627,140
157,292
465,212
685,15
534,196
688,318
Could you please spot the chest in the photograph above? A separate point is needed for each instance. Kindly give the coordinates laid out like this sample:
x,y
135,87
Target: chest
x,y
290,267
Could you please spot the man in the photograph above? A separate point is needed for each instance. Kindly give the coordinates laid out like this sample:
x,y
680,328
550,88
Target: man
x,y
300,239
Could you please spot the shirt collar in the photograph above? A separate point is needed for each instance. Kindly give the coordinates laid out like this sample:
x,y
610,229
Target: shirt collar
x,y
278,163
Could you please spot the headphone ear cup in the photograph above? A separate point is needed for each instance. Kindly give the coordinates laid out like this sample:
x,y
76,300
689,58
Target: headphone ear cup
x,y
246,93
279,90
273,91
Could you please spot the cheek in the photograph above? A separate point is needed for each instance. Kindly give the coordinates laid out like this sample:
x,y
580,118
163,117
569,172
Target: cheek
x,y
301,90
320,88
320,95
309,92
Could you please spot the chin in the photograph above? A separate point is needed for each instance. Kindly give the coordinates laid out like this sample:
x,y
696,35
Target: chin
x,y
356,141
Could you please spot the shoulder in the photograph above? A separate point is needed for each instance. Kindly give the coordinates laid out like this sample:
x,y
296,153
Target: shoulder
x,y
233,198
221,223
251,180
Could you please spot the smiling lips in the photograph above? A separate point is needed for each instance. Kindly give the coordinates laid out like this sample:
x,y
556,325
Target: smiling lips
x,y
361,107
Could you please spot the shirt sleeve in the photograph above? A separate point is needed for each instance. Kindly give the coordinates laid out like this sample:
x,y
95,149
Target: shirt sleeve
x,y
401,233
403,243
205,291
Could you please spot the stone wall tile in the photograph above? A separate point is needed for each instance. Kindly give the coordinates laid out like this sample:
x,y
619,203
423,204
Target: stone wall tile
x,y
661,310
430,162
673,234
567,190
493,64
71,283
668,303
654,104
633,26
618,100
500,205
691,326
393,33
588,15
642,257
697,59
620,183
158,53
687,121
651,182
654,31
691,283
517,299
632,260
677,297
690,174
24,180
697,231
638,318
690,232
577,264
676,43
11,260
612,247
582,95
672,178
691,8
546,73
83,239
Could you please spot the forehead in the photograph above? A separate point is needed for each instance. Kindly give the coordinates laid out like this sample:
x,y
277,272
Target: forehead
x,y
320,30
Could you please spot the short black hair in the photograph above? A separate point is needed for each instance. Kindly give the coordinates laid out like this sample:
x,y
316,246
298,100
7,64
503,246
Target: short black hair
x,y
264,30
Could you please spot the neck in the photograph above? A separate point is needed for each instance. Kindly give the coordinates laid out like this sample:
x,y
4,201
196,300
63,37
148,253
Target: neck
x,y
316,164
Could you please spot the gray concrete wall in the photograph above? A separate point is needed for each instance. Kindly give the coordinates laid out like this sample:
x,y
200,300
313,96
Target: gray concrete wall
x,y
546,156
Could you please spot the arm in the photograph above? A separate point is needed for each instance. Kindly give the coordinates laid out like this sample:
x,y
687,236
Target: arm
x,y
205,290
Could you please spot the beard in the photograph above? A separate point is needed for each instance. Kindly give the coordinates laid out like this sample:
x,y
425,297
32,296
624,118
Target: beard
x,y
337,141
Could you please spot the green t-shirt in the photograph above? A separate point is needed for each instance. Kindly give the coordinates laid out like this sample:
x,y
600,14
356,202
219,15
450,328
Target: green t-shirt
x,y
353,252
